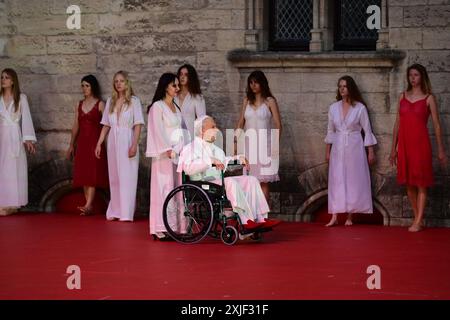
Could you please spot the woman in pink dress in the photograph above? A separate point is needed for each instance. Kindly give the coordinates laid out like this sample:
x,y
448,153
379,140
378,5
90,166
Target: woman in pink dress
x,y
123,120
259,109
411,147
164,143
88,171
16,135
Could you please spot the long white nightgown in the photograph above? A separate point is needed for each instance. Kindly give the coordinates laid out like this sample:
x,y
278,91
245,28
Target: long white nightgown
x,y
349,188
123,171
192,108
164,133
15,129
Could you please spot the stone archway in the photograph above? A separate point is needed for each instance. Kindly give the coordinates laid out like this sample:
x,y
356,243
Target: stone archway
x,y
47,181
56,192
315,182
316,201
51,182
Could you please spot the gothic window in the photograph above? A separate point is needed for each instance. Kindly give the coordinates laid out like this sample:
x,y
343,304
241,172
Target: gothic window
x,y
291,22
351,31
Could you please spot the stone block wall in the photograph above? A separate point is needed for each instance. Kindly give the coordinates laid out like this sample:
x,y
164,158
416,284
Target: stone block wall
x,y
150,37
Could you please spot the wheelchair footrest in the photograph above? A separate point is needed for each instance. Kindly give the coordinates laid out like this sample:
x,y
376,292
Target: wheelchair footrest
x,y
262,229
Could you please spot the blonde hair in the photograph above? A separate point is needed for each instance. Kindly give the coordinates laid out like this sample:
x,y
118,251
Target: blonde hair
x,y
128,91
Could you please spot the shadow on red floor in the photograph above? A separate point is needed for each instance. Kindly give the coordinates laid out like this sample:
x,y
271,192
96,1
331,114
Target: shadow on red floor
x,y
74,199
118,260
322,216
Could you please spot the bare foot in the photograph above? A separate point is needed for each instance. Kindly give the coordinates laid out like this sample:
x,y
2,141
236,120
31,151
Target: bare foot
x,y
332,223
415,228
6,211
348,222
88,211
82,210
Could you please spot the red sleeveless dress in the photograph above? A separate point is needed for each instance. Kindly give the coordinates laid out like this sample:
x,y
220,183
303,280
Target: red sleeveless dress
x,y
88,170
414,162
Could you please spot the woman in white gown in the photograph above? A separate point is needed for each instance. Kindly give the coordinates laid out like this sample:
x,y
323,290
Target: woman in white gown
x,y
259,108
164,143
189,98
16,131
123,120
349,188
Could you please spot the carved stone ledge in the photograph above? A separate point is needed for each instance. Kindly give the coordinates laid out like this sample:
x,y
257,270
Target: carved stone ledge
x,y
241,58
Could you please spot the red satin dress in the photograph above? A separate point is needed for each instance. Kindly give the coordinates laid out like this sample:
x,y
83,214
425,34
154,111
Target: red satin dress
x,y
88,170
414,162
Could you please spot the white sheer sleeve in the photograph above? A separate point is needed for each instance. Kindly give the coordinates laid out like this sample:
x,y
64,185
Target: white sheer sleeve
x,y
28,133
369,137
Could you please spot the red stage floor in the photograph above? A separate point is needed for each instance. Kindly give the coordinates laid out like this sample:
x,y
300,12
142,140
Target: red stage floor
x,y
297,261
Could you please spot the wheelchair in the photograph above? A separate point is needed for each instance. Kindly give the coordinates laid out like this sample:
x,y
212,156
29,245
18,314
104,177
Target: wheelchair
x,y
196,209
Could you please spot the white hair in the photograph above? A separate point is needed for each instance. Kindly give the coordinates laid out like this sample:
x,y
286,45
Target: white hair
x,y
198,125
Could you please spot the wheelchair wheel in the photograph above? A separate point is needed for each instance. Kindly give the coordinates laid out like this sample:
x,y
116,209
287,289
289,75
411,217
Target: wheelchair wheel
x,y
229,235
188,214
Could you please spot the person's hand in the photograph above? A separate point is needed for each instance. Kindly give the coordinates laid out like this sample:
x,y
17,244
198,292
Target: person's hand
x,y
442,157
371,158
170,154
30,147
132,151
219,165
70,153
98,150
393,158
244,162
327,156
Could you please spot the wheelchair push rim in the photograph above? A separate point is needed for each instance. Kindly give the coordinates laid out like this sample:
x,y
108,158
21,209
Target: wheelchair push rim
x,y
188,214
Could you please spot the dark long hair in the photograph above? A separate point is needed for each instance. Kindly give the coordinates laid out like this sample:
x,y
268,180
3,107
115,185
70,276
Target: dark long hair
x,y
95,86
15,87
354,95
193,81
259,77
425,83
164,81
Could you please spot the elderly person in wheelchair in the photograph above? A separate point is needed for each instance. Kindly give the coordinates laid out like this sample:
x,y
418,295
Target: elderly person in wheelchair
x,y
202,160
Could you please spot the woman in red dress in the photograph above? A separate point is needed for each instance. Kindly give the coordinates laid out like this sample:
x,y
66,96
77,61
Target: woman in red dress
x,y
89,172
411,146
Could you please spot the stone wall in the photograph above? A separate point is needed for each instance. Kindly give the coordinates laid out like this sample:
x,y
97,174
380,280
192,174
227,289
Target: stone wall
x,y
145,38
422,30
150,37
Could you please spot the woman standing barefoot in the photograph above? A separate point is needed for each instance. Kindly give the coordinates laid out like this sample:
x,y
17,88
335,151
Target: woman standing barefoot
x,y
411,146
16,134
349,188
123,120
88,171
